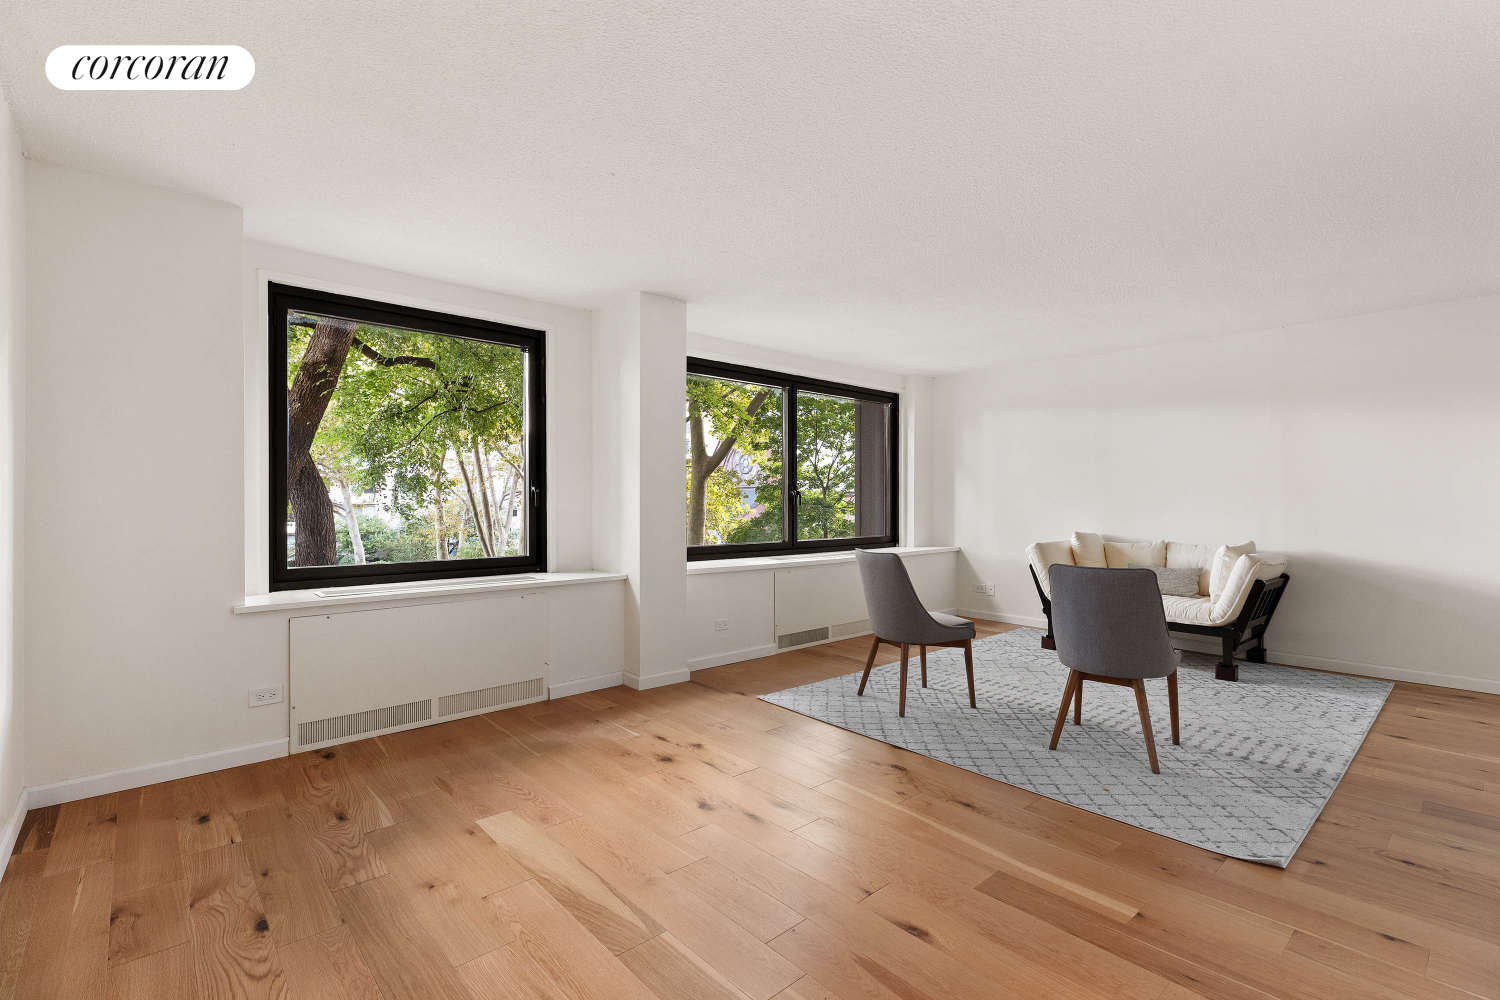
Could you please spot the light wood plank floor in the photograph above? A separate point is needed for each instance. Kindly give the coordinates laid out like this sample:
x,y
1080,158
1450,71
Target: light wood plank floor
x,y
693,843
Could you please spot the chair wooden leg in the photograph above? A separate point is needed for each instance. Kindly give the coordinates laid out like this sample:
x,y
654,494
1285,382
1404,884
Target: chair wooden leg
x,y
1075,680
1078,706
922,652
869,662
1140,703
905,655
1172,704
969,668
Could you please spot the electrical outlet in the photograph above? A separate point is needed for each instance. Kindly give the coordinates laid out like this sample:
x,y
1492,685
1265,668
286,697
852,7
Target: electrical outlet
x,y
978,588
265,696
989,589
721,624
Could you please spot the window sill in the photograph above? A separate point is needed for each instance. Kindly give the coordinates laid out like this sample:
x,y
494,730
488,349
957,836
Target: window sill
x,y
303,600
793,562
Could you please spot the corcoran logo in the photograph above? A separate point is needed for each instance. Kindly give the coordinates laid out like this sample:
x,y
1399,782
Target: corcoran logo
x,y
149,67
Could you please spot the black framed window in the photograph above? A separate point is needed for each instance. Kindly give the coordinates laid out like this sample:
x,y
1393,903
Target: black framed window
x,y
779,464
405,444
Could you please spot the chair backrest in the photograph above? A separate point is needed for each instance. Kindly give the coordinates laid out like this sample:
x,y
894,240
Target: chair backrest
x,y
896,613
1110,622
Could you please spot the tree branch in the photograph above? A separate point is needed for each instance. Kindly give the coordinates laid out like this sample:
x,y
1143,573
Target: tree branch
x,y
385,362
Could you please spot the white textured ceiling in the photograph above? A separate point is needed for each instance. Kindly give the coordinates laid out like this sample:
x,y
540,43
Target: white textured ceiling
x,y
919,186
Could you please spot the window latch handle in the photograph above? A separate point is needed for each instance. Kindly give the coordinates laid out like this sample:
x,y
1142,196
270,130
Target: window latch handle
x,y
536,496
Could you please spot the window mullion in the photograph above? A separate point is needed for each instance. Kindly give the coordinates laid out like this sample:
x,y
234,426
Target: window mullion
x,y
789,466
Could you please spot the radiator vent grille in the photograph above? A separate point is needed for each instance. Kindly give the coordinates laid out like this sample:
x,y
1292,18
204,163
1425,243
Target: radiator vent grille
x,y
354,723
504,694
849,628
801,638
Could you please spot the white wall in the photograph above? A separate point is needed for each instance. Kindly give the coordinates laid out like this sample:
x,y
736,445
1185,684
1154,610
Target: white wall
x,y
134,480
144,337
1365,448
12,400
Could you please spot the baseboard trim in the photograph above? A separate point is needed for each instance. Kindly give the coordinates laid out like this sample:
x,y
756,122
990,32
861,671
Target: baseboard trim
x,y
1002,617
13,825
596,683
733,656
1288,658
1385,673
72,789
644,682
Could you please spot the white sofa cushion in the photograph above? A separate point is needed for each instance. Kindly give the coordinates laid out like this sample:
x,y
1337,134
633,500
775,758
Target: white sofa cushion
x,y
1192,610
1088,549
1119,555
1204,611
1182,555
1046,554
1236,588
1235,584
1223,561
1272,565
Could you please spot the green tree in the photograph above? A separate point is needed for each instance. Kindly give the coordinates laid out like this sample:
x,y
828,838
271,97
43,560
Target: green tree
x,y
435,422
724,506
826,431
732,414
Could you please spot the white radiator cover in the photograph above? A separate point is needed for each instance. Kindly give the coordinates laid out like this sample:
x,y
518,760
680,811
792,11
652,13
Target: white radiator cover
x,y
357,674
817,603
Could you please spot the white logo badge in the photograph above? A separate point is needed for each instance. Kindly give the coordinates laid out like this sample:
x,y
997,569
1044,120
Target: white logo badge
x,y
150,67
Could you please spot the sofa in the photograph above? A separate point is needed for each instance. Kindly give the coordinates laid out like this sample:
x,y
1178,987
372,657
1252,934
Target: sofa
x,y
1238,588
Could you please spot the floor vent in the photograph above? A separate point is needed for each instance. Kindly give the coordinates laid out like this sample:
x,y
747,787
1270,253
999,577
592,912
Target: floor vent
x,y
801,638
340,726
849,628
505,694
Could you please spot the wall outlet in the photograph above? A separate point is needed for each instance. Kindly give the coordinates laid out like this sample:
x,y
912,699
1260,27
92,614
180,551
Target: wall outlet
x,y
265,696
721,624
978,588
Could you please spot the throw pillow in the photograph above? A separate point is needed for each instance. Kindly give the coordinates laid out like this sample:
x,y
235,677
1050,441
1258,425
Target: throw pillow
x,y
1224,559
1118,555
1174,581
1088,549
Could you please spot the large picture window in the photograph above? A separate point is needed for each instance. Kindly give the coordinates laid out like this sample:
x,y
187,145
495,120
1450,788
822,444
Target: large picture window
x,y
780,464
405,444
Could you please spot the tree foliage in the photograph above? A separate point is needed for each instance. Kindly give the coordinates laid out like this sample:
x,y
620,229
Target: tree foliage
x,y
433,424
734,416
723,410
825,466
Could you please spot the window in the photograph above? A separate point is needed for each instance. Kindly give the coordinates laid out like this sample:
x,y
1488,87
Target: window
x,y
779,464
405,444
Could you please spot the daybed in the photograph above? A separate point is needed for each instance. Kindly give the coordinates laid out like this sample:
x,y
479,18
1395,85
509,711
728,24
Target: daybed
x,y
1237,593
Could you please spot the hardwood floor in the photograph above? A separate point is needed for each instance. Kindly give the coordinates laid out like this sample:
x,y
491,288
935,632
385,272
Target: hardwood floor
x,y
694,843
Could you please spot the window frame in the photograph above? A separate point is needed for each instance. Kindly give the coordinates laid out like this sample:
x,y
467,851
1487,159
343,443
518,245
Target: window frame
x,y
280,297
790,385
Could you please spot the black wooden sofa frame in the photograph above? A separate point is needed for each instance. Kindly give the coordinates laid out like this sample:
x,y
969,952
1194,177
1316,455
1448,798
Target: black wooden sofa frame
x,y
1250,626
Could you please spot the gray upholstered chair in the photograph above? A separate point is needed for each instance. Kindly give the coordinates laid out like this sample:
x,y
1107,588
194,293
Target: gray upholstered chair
x,y
1110,628
898,619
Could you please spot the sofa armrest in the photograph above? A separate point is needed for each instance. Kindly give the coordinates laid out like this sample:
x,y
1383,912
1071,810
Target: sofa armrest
x,y
1242,577
1043,555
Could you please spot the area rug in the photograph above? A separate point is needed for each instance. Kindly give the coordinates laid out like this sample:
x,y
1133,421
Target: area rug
x,y
1258,759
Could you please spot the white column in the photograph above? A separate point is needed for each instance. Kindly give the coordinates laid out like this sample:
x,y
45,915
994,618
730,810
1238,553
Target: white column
x,y
916,461
640,367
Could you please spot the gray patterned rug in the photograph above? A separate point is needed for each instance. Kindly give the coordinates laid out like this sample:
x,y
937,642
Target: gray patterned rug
x,y
1258,760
